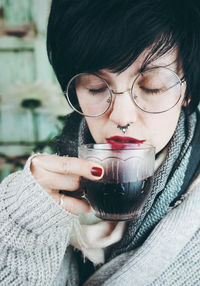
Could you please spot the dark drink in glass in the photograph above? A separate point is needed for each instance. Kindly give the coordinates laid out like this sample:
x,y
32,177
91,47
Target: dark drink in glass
x,y
128,175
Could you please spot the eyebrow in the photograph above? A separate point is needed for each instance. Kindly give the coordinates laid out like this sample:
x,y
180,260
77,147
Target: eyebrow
x,y
101,73
142,68
151,65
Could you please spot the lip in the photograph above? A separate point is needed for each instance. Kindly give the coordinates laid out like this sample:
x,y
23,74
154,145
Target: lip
x,y
123,140
120,142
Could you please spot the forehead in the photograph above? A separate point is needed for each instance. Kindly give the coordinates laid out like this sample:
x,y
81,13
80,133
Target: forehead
x,y
167,60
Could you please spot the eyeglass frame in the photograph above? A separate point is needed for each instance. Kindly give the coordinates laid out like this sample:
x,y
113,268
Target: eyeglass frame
x,y
130,90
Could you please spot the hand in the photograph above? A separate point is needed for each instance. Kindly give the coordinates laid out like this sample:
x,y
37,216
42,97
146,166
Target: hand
x,y
56,173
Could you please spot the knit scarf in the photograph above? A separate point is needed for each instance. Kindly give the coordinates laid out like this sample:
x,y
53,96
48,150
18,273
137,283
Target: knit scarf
x,y
171,180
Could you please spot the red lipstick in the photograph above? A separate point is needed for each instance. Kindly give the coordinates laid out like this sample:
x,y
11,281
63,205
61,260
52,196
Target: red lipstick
x,y
120,142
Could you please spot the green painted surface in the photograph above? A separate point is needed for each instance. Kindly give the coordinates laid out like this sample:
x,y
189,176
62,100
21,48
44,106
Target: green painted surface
x,y
26,75
18,66
17,11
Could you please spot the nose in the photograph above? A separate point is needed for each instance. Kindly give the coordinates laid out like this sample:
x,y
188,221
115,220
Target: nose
x,y
123,110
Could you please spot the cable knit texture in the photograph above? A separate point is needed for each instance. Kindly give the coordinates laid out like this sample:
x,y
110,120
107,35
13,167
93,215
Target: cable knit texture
x,y
34,232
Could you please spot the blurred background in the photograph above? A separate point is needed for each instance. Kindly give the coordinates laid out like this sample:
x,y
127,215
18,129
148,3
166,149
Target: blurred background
x,y
32,107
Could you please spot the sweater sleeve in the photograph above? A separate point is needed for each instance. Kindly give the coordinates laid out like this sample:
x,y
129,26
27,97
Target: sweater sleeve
x,y
34,231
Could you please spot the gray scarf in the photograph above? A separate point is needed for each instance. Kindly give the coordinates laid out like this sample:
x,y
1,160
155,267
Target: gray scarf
x,y
170,180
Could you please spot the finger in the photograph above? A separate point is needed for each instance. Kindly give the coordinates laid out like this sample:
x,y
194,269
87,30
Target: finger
x,y
73,205
70,166
56,181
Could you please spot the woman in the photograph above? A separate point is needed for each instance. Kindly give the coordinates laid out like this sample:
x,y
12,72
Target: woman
x,y
142,56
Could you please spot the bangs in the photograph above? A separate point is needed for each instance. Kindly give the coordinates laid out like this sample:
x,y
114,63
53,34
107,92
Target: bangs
x,y
114,38
104,34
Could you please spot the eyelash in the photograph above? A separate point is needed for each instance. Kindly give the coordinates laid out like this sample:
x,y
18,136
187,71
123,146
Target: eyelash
x,y
150,90
96,91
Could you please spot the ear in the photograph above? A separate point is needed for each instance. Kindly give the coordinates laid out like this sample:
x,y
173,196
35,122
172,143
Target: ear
x,y
186,102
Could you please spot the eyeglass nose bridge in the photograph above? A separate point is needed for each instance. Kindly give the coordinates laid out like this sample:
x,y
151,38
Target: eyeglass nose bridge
x,y
121,92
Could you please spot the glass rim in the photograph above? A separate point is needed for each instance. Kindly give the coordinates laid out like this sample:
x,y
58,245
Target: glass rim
x,y
109,147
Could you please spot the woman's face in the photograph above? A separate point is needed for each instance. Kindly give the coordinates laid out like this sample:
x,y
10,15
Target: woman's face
x,y
155,129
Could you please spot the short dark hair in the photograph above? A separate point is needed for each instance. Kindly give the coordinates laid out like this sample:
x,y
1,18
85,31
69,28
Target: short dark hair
x,y
89,35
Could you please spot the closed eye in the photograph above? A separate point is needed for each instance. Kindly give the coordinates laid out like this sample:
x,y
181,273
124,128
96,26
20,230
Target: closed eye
x,y
99,90
151,91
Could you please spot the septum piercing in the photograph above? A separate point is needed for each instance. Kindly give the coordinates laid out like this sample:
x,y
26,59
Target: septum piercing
x,y
123,128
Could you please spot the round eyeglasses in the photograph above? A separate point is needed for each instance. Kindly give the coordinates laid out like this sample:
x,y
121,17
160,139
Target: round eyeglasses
x,y
155,90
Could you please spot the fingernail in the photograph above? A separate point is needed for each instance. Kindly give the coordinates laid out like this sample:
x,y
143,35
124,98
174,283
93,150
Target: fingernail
x,y
97,172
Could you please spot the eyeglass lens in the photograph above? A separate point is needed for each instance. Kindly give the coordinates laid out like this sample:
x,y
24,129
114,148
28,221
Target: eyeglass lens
x,y
89,95
154,90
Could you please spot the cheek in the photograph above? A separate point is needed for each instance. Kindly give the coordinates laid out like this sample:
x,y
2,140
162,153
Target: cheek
x,y
162,129
96,126
165,124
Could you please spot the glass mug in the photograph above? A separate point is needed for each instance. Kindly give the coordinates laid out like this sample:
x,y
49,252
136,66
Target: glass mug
x,y
126,185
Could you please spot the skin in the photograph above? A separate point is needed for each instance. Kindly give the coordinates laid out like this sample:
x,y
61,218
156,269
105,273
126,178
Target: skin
x,y
54,173
155,129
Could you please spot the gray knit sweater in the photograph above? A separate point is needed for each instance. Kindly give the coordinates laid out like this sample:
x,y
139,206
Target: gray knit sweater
x,y
34,242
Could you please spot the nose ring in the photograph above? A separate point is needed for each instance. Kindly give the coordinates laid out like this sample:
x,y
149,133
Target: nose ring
x,y
123,128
